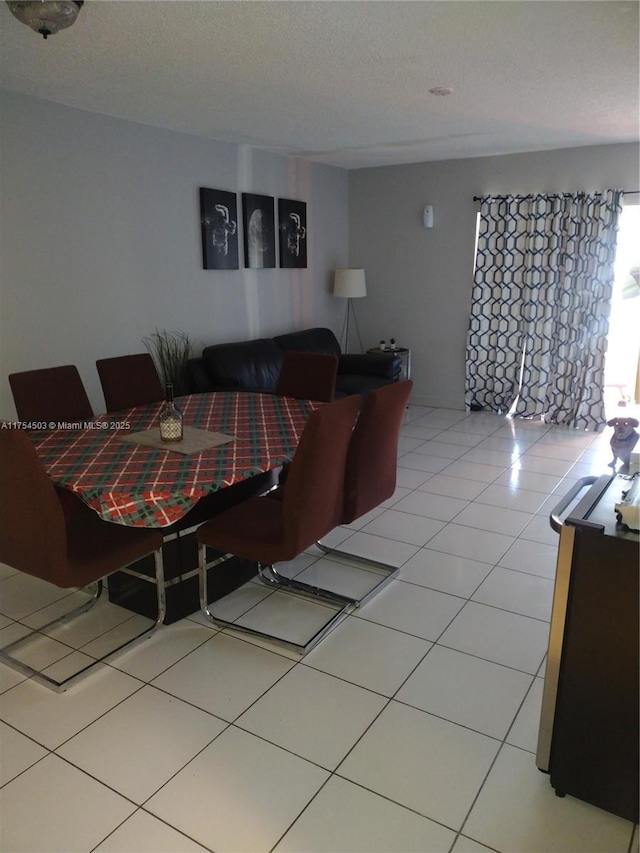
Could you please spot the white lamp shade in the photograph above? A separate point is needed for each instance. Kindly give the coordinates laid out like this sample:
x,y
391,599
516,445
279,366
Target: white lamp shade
x,y
349,283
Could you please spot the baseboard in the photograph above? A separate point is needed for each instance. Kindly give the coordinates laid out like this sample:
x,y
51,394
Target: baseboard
x,y
436,403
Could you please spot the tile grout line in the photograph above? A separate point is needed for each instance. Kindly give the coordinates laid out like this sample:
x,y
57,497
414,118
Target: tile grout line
x,y
386,705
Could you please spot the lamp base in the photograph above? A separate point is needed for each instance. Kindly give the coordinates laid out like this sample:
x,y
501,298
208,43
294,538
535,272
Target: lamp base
x,y
350,315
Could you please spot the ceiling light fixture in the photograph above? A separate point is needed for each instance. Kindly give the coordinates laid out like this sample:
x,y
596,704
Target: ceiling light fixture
x,y
46,16
441,90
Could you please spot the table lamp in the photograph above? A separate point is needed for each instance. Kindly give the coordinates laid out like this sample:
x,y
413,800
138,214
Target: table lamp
x,y
349,284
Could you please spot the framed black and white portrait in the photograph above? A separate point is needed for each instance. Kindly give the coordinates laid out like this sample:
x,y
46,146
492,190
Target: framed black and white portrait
x,y
219,220
292,233
259,231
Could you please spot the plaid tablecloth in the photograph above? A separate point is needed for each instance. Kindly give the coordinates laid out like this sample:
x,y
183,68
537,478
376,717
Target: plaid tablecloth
x,y
144,487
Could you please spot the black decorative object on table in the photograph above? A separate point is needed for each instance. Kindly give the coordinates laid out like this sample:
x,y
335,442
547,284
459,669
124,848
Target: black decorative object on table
x,y
292,233
259,231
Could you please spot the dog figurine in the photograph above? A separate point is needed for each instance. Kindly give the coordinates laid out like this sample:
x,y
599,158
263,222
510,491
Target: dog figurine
x,y
623,440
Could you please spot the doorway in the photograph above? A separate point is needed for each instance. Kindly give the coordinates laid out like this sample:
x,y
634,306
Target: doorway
x,y
622,364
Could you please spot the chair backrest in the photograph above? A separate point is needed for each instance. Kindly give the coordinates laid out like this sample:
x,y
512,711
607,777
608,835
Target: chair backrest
x,y
32,528
129,380
51,394
308,376
372,459
313,495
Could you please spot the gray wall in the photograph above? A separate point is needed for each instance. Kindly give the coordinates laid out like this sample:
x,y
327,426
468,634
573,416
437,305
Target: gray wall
x,y
418,280
100,241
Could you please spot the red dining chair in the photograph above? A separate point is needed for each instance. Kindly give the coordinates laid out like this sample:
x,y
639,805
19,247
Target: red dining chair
x,y
308,376
371,466
129,380
36,539
372,461
269,531
50,394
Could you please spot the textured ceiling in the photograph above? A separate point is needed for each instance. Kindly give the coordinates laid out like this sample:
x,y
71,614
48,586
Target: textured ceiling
x,y
347,83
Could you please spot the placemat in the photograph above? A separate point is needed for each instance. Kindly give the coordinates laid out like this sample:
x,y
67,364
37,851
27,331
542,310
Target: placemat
x,y
194,440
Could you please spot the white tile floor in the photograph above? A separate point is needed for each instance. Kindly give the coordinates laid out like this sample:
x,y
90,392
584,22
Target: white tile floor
x,y
411,727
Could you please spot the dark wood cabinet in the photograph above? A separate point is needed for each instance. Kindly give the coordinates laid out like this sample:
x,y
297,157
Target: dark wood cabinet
x,y
589,724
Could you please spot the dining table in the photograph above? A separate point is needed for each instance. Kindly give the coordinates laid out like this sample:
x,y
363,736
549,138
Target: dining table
x,y
107,463
117,465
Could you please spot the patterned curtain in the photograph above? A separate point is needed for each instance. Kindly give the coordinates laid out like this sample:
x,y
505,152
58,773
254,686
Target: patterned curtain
x,y
540,306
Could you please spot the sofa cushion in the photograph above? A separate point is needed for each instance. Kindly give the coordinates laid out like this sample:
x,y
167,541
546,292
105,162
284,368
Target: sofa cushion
x,y
354,383
386,365
310,340
246,365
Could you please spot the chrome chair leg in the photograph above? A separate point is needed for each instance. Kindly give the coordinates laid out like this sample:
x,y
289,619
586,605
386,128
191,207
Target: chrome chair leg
x,y
270,576
388,571
6,653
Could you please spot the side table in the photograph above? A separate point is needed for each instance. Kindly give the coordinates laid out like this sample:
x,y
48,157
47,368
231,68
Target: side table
x,y
403,352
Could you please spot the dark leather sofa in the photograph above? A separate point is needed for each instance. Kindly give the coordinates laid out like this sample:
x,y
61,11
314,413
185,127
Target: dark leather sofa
x,y
255,365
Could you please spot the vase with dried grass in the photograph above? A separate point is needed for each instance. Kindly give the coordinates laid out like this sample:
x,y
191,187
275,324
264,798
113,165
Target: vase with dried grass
x,y
170,351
